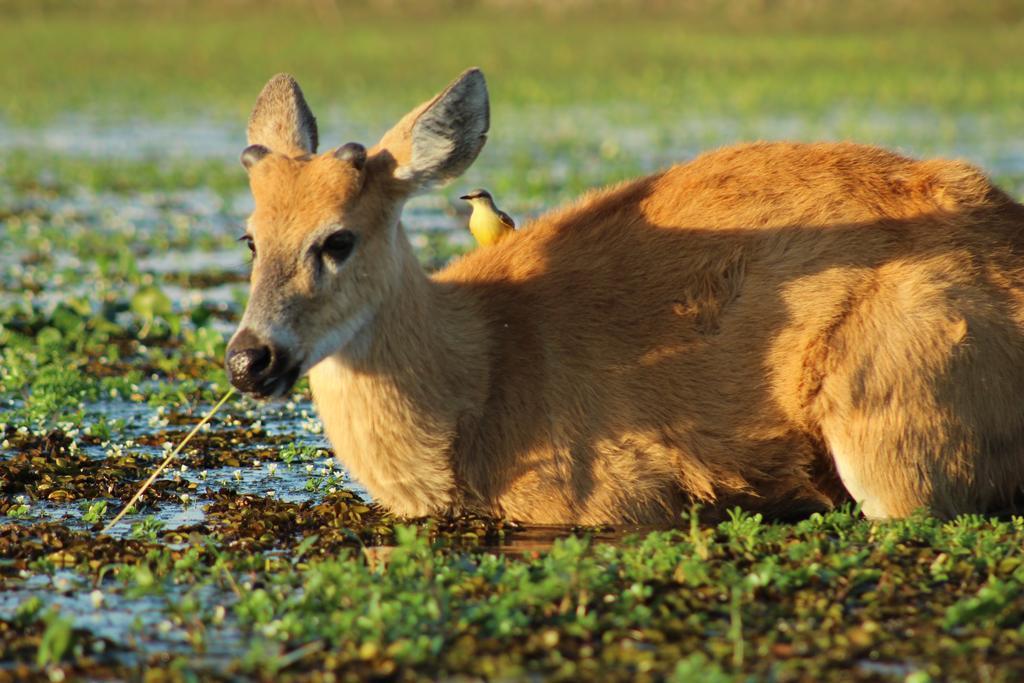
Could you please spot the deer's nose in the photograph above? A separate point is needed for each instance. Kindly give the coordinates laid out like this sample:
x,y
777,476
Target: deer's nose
x,y
253,365
246,365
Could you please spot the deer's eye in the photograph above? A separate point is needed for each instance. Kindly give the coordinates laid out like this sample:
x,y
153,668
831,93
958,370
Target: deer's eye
x,y
338,246
249,242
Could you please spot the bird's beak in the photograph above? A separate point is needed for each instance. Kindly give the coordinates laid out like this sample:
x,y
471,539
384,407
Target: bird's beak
x,y
467,197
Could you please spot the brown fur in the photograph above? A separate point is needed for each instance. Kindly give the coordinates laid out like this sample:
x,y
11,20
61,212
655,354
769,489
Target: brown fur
x,y
740,329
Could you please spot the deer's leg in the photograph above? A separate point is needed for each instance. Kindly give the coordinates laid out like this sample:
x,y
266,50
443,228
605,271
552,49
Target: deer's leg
x,y
920,402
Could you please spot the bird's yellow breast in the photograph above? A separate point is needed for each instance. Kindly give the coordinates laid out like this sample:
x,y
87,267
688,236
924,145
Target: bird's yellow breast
x,y
487,227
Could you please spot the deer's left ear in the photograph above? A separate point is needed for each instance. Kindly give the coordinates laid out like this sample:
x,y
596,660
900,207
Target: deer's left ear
x,y
281,120
438,140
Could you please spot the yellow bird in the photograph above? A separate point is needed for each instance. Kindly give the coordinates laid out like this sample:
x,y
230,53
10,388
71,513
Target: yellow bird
x,y
488,223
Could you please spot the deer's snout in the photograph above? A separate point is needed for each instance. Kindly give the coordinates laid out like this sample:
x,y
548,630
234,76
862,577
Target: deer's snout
x,y
256,367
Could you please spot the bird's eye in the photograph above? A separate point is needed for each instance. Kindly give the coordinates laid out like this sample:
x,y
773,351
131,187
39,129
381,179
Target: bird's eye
x,y
339,245
249,242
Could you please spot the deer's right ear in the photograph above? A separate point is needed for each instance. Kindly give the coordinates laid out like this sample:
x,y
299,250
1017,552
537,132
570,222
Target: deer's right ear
x,y
281,120
438,140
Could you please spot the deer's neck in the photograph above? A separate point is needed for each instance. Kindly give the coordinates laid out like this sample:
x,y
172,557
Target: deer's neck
x,y
393,399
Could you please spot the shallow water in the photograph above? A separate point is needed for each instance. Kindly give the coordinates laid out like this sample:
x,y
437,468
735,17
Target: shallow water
x,y
560,137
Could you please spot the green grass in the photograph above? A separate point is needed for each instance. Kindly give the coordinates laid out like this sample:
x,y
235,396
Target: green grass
x,y
188,61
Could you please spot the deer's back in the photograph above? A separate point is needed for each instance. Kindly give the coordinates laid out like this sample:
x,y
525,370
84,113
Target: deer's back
x,y
684,313
690,254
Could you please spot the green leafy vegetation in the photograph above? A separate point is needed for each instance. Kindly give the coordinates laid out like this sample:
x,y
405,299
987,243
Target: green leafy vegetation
x,y
829,598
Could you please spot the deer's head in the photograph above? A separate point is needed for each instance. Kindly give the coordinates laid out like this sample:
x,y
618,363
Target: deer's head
x,y
325,234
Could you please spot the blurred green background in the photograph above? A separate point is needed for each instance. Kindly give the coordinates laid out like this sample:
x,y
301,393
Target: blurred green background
x,y
134,58
583,92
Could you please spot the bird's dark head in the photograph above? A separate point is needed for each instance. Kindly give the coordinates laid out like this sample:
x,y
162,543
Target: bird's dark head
x,y
478,193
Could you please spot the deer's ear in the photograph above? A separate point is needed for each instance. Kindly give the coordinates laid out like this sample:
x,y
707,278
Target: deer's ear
x,y
281,120
438,140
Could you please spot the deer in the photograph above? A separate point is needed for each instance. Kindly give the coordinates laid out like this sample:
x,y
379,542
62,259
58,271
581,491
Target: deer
x,y
784,327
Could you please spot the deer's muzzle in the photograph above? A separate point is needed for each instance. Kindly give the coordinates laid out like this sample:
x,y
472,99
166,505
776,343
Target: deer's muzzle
x,y
259,368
